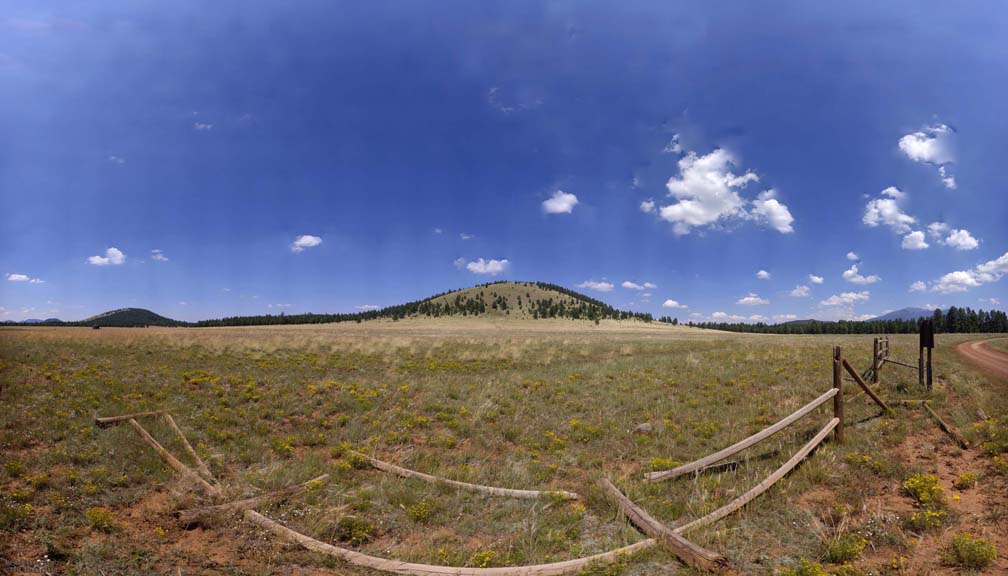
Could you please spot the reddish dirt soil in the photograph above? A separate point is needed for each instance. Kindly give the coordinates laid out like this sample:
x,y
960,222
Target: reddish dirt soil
x,y
991,361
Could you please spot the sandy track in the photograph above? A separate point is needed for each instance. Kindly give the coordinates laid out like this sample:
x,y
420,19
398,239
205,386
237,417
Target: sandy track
x,y
992,361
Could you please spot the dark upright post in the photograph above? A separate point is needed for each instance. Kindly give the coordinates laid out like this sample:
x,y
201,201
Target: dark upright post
x,y
875,361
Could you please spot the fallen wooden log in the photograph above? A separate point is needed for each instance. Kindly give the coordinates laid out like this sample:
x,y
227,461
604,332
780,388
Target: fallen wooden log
x,y
565,567
948,429
864,386
201,467
174,462
742,444
101,421
509,492
196,516
762,486
686,551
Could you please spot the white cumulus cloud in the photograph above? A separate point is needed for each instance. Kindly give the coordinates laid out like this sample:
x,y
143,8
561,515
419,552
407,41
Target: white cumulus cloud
x,y
963,280
846,298
933,145
763,275
853,257
560,203
769,210
751,299
707,193
491,267
853,276
961,240
918,286
886,211
113,257
914,241
647,206
815,279
303,242
596,286
673,304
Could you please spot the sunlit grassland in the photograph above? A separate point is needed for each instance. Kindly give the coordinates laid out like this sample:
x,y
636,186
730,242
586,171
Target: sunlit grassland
x,y
535,405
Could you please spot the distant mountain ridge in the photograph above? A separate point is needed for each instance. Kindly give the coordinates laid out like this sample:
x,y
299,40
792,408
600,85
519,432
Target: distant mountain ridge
x,y
909,313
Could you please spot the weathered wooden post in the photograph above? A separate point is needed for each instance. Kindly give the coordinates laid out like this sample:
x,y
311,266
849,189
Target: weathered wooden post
x,y
838,397
875,361
926,341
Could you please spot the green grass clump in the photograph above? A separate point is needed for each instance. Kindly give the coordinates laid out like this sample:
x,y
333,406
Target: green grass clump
x,y
100,518
355,531
845,548
968,551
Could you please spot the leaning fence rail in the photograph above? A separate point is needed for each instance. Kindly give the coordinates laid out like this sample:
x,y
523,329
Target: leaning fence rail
x,y
741,445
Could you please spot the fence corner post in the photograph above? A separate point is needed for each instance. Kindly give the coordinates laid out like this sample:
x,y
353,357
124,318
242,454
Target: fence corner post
x,y
838,434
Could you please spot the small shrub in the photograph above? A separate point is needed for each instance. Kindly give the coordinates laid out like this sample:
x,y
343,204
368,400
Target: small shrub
x,y
966,480
14,468
845,548
925,519
354,531
483,559
925,490
101,519
421,511
806,568
968,551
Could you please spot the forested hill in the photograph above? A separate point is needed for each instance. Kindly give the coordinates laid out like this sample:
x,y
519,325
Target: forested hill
x,y
532,300
955,320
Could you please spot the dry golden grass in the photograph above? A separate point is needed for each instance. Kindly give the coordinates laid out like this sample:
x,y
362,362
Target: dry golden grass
x,y
547,404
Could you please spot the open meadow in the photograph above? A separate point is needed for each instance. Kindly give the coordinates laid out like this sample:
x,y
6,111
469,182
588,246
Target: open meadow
x,y
541,405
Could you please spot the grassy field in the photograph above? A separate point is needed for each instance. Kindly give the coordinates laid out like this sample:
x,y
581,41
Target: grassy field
x,y
520,404
999,344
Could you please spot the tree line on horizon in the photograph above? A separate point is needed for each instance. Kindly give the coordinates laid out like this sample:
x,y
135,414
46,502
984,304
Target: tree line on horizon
x,y
954,320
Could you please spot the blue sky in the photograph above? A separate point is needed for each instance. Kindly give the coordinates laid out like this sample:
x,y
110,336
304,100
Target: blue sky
x,y
327,156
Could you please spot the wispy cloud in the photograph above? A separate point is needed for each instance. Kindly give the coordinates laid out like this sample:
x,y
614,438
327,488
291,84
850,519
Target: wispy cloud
x,y
752,299
158,255
596,286
303,242
13,277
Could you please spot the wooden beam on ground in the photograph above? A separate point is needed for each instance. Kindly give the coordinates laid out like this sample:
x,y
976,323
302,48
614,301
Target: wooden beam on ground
x,y
740,445
566,567
864,386
201,467
762,486
509,492
948,429
196,516
101,421
686,551
174,462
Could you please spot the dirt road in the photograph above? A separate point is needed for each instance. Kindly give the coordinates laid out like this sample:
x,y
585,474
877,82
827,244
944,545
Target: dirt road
x,y
992,361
